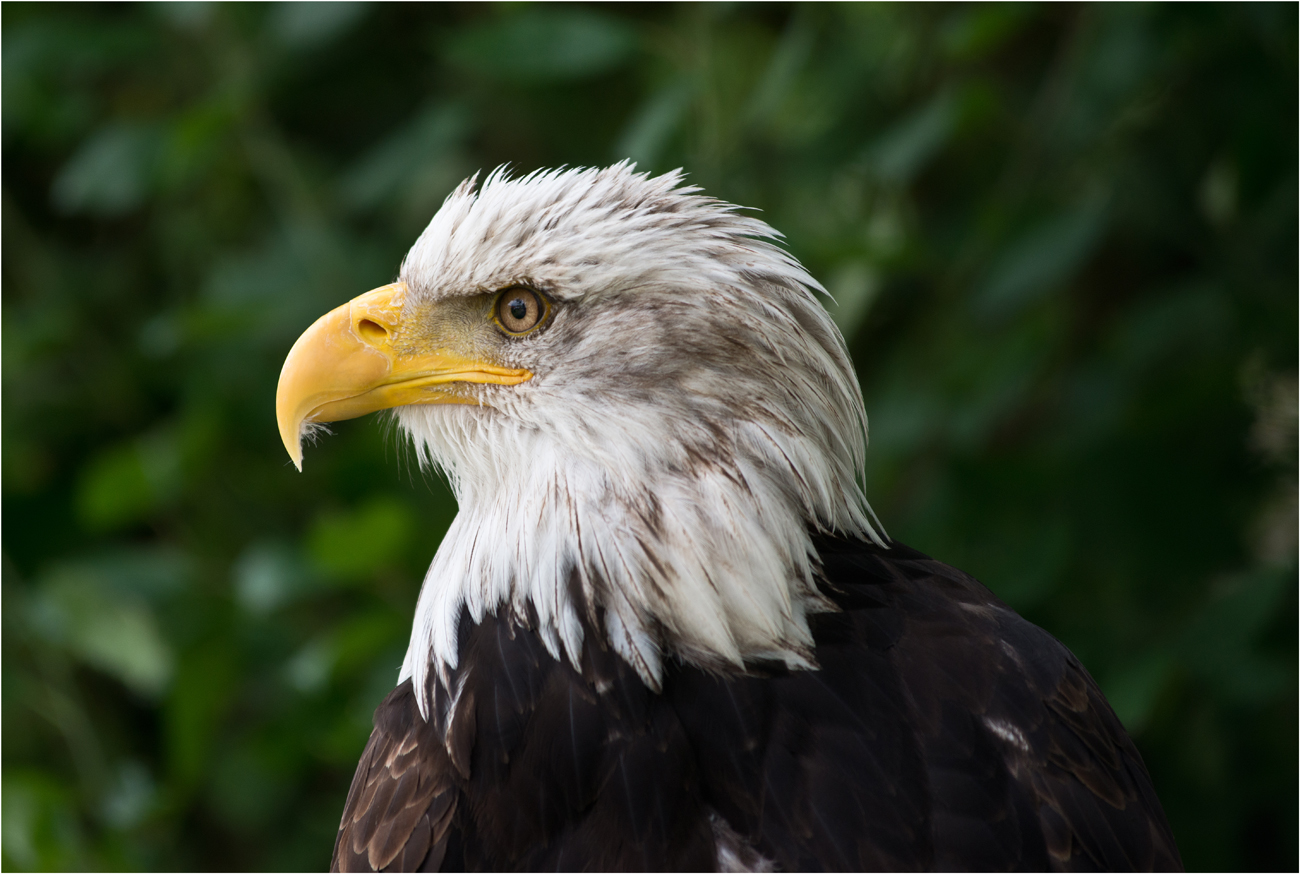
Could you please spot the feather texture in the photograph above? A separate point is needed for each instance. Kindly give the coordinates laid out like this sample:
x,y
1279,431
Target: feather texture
x,y
941,731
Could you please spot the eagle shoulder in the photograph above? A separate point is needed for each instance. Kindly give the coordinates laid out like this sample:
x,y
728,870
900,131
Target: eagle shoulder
x,y
1026,762
403,797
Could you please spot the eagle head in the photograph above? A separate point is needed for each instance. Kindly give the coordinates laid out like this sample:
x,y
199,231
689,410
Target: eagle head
x,y
642,408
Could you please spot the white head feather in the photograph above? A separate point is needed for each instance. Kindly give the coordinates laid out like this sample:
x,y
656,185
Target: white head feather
x,y
694,415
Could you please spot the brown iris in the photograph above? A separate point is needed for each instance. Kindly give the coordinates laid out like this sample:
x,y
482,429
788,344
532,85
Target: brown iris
x,y
519,310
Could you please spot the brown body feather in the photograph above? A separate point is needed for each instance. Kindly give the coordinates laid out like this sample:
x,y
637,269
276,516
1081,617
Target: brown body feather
x,y
941,731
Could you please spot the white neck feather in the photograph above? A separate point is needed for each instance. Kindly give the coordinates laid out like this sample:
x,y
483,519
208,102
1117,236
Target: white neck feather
x,y
714,566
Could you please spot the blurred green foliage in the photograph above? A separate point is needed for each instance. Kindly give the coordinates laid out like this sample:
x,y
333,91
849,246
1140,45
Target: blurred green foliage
x,y
1063,244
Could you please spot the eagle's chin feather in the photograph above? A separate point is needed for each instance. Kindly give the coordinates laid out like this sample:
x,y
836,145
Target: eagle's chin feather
x,y
694,418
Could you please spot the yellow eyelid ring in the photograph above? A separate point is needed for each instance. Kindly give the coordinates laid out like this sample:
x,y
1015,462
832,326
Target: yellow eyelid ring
x,y
350,363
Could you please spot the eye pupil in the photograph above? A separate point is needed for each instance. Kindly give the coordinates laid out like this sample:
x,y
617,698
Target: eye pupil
x,y
518,308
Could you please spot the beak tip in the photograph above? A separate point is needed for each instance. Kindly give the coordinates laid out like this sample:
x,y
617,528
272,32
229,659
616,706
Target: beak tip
x,y
292,445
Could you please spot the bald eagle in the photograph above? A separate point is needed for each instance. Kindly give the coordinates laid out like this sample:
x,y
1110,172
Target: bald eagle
x,y
665,630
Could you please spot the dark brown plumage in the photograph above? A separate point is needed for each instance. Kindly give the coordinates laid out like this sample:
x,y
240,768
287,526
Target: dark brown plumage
x,y
941,731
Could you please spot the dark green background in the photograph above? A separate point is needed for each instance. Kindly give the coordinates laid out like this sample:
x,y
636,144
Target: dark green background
x,y
1063,240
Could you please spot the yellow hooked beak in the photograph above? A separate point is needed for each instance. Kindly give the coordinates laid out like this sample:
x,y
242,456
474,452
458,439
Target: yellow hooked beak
x,y
357,359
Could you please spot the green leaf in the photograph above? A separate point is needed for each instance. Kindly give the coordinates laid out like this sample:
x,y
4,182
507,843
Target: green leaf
x,y
904,149
123,484
1221,644
408,158
111,174
310,668
131,796
1134,690
1039,261
649,130
111,630
543,43
207,678
40,828
977,31
311,24
268,575
352,545
853,287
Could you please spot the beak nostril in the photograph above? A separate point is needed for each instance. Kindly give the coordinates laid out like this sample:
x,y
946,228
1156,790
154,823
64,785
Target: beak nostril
x,y
372,332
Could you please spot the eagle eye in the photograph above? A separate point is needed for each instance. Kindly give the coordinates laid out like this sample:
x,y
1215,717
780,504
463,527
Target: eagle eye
x,y
519,310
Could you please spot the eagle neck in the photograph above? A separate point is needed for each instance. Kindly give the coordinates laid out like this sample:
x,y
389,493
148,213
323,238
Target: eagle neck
x,y
711,563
